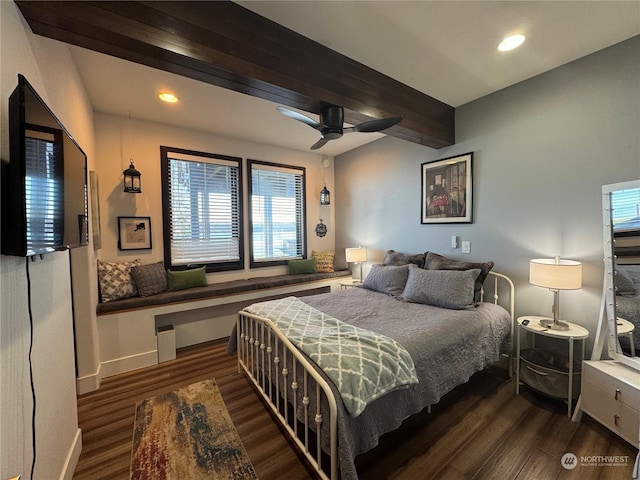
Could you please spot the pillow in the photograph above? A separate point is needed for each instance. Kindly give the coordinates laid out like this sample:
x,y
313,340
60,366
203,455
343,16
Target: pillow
x,y
396,258
441,288
624,284
387,279
182,279
115,280
433,261
324,261
297,267
150,279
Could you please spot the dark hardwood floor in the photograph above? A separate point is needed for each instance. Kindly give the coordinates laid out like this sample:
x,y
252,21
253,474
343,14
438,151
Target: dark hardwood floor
x,y
481,430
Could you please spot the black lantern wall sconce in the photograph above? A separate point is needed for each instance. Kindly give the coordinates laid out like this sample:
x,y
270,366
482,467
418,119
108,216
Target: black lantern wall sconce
x,y
132,179
325,196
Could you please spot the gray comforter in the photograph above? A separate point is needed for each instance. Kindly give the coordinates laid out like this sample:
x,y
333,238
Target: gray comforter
x,y
447,347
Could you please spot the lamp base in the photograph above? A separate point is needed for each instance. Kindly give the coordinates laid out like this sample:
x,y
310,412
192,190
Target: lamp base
x,y
553,325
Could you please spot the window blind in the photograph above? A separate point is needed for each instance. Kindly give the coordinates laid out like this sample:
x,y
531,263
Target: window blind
x,y
44,193
625,206
277,212
205,209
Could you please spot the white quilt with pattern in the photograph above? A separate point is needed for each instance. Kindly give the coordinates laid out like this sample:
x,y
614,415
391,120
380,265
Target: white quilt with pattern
x,y
362,364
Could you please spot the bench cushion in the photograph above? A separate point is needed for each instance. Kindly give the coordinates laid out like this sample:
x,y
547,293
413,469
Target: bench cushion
x,y
215,290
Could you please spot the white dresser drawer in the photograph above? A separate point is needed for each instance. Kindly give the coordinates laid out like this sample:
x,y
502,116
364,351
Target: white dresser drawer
x,y
618,417
619,388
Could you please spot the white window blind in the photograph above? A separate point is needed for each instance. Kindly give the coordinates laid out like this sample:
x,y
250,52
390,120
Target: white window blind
x,y
277,212
204,209
44,193
625,206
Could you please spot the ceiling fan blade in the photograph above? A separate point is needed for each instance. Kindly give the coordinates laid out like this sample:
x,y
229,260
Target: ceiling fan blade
x,y
300,117
374,125
319,143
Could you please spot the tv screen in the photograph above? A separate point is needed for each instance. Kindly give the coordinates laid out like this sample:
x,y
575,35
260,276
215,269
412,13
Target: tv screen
x,y
44,184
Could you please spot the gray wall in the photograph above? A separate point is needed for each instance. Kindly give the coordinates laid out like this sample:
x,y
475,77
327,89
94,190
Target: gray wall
x,y
542,150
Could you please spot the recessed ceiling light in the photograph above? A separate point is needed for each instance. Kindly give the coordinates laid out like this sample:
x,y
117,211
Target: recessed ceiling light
x,y
168,97
511,42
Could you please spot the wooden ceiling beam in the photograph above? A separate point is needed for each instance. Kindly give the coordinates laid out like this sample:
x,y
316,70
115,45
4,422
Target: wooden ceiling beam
x,y
224,44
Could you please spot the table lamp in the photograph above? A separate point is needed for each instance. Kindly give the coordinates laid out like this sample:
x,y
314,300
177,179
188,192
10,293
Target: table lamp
x,y
356,255
555,274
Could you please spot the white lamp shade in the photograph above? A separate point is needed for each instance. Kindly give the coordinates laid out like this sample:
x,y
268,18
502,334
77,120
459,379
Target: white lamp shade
x,y
357,254
555,273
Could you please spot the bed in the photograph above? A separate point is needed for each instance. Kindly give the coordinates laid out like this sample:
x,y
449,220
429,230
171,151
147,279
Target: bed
x,y
628,300
438,317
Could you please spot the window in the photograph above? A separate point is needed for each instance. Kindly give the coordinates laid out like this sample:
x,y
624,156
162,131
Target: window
x,y
202,209
625,206
44,195
277,209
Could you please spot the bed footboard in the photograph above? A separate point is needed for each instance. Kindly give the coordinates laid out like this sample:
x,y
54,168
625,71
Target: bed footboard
x,y
502,292
288,382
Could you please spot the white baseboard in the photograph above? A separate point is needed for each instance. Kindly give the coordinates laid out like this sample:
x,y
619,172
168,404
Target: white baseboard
x,y
89,383
132,362
73,456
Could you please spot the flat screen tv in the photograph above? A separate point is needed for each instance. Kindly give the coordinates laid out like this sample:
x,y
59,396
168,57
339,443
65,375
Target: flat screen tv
x,y
44,183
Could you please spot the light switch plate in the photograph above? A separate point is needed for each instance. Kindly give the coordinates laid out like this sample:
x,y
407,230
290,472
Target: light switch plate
x,y
466,246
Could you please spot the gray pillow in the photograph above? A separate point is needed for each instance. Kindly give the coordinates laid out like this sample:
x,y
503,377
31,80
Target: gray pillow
x,y
396,258
442,288
387,279
624,283
150,279
433,261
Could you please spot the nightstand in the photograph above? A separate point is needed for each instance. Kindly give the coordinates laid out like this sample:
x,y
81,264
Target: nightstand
x,y
344,284
546,376
626,328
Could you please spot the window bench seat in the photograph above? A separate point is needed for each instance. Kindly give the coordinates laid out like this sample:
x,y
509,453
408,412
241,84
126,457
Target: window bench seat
x,y
127,327
214,290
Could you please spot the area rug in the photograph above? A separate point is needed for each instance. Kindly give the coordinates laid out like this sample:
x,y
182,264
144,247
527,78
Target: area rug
x,y
187,434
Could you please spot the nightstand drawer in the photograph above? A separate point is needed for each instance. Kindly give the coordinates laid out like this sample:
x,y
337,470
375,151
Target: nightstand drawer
x,y
612,387
618,417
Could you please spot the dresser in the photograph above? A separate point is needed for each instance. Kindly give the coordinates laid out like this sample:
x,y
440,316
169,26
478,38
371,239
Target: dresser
x,y
611,395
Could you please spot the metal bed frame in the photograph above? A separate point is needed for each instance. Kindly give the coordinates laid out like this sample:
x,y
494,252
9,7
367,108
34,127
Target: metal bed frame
x,y
288,381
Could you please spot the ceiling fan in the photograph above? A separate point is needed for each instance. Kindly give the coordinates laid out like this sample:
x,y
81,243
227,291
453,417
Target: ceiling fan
x,y
331,122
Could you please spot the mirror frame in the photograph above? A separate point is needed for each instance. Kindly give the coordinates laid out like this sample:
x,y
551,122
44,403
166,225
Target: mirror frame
x,y
609,299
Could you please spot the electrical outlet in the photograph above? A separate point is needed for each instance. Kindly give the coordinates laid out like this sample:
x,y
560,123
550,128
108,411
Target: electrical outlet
x,y
466,246
454,241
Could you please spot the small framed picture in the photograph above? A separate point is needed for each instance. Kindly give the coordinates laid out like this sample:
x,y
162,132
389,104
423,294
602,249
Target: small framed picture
x,y
447,190
134,233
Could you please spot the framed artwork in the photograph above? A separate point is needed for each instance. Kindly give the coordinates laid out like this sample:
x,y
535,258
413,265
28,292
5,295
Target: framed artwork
x,y
134,233
447,190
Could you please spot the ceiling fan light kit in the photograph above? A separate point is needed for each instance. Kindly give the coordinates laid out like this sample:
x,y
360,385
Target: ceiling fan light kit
x,y
331,124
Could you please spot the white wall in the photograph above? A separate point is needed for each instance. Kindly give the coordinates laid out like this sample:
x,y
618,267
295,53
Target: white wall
x,y
118,138
542,150
49,68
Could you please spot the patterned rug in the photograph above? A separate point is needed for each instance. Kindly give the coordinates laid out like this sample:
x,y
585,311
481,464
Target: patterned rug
x,y
187,434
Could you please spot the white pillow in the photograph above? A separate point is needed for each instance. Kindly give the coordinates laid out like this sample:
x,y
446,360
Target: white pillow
x,y
116,281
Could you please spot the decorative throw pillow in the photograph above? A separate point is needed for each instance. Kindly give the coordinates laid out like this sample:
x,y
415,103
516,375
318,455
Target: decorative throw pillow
x,y
324,261
441,288
297,267
182,279
624,283
115,280
396,258
433,261
387,279
150,279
